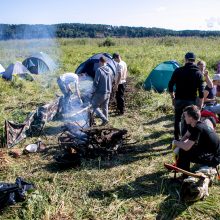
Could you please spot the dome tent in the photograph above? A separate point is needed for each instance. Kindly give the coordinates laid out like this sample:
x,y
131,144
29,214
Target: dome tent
x,y
17,69
159,77
2,69
90,66
39,63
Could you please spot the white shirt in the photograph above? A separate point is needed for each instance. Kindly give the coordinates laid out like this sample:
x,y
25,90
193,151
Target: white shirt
x,y
68,78
122,68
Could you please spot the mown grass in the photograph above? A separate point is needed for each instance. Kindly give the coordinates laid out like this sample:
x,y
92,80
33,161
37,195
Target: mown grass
x,y
134,185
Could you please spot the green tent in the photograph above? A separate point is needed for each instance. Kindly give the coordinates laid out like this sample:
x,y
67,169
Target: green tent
x,y
160,76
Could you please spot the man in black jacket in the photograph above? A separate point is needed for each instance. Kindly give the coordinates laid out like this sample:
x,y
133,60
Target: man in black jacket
x,y
188,81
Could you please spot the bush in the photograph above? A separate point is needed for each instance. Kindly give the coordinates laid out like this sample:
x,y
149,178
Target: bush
x,y
107,43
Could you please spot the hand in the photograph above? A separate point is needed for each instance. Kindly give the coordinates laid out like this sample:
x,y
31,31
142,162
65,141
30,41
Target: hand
x,y
206,73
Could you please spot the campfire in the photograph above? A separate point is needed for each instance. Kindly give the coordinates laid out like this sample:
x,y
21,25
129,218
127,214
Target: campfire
x,y
89,143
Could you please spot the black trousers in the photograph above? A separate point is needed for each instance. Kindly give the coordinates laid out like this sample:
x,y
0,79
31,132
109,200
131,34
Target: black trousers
x,y
120,97
179,106
197,156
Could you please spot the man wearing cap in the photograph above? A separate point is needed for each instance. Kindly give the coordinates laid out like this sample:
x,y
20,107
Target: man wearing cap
x,y
188,80
210,102
120,83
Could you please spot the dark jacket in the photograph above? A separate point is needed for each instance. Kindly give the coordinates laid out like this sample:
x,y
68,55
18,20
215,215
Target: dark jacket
x,y
188,81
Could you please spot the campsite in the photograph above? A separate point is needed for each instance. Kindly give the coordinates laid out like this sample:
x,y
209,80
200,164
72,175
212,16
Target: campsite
x,y
129,185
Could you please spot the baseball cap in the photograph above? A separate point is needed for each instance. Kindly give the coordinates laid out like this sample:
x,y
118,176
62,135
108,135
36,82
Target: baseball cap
x,y
216,77
190,56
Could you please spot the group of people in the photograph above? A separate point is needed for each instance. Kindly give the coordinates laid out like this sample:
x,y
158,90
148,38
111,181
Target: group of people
x,y
103,84
198,143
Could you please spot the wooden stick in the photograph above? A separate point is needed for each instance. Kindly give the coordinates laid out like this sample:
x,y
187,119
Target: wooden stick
x,y
172,167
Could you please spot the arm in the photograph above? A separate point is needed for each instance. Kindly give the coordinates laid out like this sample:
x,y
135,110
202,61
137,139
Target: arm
x,y
207,79
206,93
186,136
201,91
96,80
185,145
171,84
77,90
69,88
118,79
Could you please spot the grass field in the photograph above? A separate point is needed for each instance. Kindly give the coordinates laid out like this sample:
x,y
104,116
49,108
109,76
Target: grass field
x,y
134,185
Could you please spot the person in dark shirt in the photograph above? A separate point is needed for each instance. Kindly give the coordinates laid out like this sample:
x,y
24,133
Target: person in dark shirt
x,y
188,81
200,144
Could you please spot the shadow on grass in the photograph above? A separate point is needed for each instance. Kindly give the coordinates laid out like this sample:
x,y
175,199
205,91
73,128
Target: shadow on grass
x,y
55,130
150,185
161,119
124,156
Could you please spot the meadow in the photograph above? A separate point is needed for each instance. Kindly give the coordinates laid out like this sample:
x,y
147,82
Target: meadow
x,y
134,185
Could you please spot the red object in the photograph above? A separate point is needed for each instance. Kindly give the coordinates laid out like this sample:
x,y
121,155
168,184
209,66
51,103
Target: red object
x,y
171,166
205,113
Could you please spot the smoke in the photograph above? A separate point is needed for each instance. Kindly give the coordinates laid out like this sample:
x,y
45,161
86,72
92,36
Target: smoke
x,y
17,42
75,112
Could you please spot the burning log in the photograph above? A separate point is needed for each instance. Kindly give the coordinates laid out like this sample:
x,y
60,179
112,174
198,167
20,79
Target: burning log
x,y
91,142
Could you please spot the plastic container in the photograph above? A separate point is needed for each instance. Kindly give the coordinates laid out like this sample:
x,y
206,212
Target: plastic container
x,y
32,148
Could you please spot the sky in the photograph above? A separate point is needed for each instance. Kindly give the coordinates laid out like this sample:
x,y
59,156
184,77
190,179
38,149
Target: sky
x,y
169,14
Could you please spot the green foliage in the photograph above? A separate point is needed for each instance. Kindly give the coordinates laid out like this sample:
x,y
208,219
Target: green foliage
x,y
76,30
108,42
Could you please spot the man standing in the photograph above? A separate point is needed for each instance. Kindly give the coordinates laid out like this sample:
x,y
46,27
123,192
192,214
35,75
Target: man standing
x,y
188,80
200,144
120,83
102,87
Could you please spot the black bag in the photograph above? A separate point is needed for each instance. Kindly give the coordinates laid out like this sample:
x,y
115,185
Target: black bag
x,y
10,193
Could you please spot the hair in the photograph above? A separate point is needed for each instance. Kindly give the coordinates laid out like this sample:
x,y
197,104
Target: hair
x,y
115,56
201,62
193,111
102,59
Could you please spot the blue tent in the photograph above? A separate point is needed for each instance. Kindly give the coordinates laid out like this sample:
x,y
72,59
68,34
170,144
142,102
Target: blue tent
x,y
17,69
39,63
159,77
90,66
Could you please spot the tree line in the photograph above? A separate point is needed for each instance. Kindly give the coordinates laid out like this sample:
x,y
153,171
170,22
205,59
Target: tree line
x,y
77,30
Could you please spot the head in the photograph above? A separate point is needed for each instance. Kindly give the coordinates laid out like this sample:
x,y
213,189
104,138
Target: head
x,y
102,61
202,65
116,57
216,79
190,57
192,114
